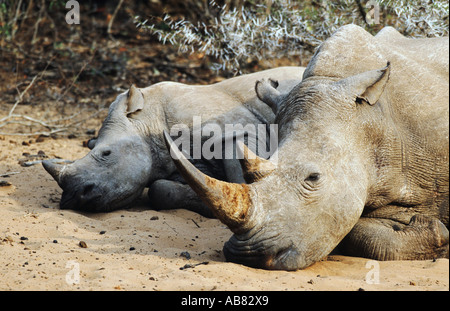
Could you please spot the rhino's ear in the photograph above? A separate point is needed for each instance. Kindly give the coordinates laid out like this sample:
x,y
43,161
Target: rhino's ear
x,y
91,143
135,100
266,90
368,86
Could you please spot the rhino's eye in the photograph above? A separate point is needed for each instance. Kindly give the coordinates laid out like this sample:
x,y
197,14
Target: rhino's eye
x,y
106,153
313,177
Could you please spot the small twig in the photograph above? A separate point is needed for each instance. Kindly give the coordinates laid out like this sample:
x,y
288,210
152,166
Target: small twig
x,y
111,21
170,227
36,26
16,17
27,12
189,265
8,174
361,11
33,120
195,223
76,78
18,101
53,128
35,133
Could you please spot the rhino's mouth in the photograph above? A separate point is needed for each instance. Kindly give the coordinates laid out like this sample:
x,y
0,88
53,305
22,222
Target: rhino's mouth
x,y
274,253
94,203
70,200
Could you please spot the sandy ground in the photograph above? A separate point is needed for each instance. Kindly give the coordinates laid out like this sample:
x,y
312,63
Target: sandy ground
x,y
44,248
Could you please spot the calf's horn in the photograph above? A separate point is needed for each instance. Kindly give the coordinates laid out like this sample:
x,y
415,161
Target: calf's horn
x,y
228,201
53,169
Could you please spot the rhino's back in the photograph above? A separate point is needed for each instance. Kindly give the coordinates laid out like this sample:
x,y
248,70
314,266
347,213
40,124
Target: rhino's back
x,y
231,101
183,103
431,51
417,91
352,50
242,88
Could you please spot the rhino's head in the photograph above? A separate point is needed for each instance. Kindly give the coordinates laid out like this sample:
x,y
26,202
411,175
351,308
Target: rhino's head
x,y
114,173
296,212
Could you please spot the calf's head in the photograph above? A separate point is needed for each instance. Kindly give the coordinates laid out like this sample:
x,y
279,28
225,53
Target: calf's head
x,y
296,212
114,173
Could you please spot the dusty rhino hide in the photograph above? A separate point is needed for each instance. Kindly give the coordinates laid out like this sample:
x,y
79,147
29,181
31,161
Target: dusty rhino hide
x,y
362,159
129,153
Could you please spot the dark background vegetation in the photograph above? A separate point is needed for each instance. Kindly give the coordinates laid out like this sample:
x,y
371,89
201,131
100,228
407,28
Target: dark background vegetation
x,y
56,77
78,70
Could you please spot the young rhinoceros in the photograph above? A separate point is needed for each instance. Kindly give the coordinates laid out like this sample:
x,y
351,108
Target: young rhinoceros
x,y
129,153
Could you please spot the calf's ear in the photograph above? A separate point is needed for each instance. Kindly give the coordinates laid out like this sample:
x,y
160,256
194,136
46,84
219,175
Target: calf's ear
x,y
367,86
266,90
135,100
91,143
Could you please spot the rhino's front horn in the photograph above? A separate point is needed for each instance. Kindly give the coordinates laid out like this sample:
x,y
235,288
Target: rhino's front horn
x,y
228,201
253,167
53,169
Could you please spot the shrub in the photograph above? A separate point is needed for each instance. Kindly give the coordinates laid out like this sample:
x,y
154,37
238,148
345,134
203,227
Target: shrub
x,y
280,28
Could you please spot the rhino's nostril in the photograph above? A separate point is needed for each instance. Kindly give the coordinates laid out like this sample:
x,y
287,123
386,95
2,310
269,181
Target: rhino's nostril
x,y
87,189
87,196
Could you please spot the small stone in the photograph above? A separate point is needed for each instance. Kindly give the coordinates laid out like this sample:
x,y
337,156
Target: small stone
x,y
82,244
185,255
40,139
4,183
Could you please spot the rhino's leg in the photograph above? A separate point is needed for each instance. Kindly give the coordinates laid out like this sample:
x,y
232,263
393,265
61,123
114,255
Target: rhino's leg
x,y
384,239
168,194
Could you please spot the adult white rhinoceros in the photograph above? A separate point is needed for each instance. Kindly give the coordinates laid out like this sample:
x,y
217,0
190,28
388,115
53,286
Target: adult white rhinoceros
x,y
129,153
363,155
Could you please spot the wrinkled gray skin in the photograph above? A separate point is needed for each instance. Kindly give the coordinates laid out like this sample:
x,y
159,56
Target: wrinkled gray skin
x,y
129,153
363,155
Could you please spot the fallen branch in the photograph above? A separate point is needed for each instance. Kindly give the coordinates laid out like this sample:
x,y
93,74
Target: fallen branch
x,y
8,174
53,126
19,100
46,134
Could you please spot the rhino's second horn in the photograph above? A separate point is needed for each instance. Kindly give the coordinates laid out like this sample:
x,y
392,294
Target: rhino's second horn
x,y
253,167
